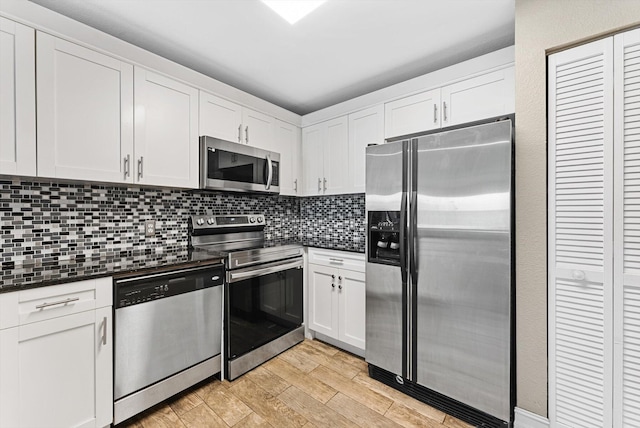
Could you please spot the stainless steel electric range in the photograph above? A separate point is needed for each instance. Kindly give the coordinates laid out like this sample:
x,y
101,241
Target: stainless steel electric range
x,y
263,291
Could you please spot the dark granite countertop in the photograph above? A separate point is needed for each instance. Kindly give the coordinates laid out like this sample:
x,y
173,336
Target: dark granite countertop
x,y
333,244
42,274
21,277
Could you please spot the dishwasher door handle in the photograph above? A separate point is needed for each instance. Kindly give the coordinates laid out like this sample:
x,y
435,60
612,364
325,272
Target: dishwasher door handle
x,y
256,271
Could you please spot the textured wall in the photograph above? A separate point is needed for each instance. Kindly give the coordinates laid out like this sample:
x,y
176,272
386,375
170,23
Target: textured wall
x,y
543,25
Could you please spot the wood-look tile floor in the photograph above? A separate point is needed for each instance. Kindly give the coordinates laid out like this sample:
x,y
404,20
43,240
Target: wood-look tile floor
x,y
310,385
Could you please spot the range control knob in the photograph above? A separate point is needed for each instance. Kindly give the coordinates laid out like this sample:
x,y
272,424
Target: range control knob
x,y
211,220
259,219
200,221
252,219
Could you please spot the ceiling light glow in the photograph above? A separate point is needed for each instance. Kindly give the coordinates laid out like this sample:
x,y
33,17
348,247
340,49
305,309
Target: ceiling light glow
x,y
293,10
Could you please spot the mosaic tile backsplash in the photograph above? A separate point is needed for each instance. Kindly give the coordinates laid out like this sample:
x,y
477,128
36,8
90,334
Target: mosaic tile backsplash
x,y
45,221
336,222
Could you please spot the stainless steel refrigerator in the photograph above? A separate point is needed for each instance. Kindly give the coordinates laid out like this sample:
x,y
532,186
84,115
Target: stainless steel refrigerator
x,y
439,290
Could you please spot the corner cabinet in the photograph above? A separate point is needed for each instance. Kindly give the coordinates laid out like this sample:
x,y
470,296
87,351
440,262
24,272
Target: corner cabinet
x,y
593,232
166,131
287,143
85,112
56,356
18,100
325,157
336,282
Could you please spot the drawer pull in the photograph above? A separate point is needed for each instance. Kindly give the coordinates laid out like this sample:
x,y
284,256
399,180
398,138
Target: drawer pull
x,y
333,260
61,302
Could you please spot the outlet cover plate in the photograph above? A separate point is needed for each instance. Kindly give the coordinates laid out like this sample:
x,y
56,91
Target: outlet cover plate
x,y
149,228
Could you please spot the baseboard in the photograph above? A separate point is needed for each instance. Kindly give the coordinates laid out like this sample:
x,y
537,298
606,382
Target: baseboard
x,y
526,419
339,344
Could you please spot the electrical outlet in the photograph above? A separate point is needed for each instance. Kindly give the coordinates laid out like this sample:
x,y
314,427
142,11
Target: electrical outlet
x,y
149,228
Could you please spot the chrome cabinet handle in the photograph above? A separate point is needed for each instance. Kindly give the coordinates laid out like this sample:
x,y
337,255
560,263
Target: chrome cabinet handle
x,y
127,166
140,167
333,260
435,113
240,133
61,302
333,285
104,330
333,276
340,278
325,184
340,287
246,134
444,110
295,185
319,185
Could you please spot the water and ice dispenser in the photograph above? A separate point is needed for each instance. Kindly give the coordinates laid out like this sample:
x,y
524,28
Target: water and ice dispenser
x,y
384,237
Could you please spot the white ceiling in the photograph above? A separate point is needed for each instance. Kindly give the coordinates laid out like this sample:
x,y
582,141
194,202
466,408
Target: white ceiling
x,y
343,49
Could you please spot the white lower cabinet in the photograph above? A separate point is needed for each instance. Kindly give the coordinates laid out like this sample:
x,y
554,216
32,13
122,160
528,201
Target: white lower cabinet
x,y
56,356
337,296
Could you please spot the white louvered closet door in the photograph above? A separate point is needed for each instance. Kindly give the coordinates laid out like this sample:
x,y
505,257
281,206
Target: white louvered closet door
x,y
627,230
580,193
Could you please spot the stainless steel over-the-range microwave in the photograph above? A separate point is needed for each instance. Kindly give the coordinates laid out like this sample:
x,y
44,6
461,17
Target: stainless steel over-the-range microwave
x,y
238,167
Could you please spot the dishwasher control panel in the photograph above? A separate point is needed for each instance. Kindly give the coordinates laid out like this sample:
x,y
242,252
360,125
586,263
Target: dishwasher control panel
x,y
147,288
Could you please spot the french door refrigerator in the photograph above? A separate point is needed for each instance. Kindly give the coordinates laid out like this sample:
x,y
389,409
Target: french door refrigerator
x,y
439,294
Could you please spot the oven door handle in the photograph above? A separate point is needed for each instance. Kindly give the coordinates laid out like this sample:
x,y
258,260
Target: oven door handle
x,y
256,271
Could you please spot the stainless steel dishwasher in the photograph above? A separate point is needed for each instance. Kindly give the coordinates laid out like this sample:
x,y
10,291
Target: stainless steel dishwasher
x,y
167,335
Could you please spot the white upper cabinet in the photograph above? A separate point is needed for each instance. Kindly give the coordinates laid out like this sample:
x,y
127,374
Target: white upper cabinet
x,y
85,112
336,156
17,103
287,143
480,97
166,131
259,129
325,157
228,121
409,115
312,159
366,127
220,118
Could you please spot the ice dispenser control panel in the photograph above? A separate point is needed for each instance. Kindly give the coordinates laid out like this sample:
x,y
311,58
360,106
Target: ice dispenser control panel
x,y
384,237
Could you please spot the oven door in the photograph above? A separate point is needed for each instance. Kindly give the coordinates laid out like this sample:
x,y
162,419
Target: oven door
x,y
237,167
263,303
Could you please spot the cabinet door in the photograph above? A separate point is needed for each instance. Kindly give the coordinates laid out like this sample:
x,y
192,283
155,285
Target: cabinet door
x,y
166,131
259,129
18,100
581,235
287,143
323,300
85,112
312,159
365,127
481,97
336,156
351,313
627,230
220,118
409,115
61,372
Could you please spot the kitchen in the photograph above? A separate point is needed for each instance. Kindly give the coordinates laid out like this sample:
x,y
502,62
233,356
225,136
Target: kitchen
x,y
540,26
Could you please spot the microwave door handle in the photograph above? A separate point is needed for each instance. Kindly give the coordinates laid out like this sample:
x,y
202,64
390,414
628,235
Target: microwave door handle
x,y
270,169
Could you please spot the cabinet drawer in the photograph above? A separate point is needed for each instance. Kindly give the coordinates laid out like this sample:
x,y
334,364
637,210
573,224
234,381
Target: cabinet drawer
x,y
39,304
338,259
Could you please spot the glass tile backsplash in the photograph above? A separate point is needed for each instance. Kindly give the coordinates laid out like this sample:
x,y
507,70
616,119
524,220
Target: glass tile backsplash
x,y
47,221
